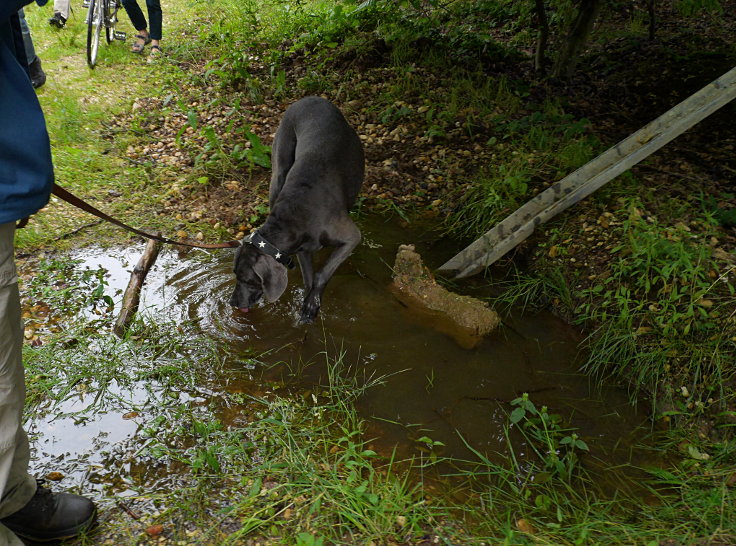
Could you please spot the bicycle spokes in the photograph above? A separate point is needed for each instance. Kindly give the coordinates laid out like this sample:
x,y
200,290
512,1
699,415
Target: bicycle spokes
x,y
101,14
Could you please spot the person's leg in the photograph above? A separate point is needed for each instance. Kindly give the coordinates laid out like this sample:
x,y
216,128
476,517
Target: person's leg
x,y
62,7
61,13
139,24
8,538
38,76
27,41
25,509
16,485
155,17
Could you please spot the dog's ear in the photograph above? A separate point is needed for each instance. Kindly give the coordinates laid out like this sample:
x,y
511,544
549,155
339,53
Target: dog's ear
x,y
273,276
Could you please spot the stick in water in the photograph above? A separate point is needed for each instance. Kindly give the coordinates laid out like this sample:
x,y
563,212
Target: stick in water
x,y
132,296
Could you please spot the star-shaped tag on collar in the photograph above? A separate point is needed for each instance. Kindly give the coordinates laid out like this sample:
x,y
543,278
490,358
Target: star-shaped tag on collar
x,y
269,249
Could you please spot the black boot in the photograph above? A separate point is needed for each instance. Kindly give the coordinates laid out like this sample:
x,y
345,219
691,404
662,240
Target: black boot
x,y
52,516
38,76
58,20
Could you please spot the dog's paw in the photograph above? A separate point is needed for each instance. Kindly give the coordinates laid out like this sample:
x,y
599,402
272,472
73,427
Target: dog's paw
x,y
309,311
307,317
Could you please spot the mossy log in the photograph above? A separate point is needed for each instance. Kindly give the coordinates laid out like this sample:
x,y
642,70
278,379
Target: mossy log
x,y
464,318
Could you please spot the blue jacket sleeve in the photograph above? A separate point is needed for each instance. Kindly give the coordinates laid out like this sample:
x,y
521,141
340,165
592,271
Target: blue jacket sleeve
x,y
26,170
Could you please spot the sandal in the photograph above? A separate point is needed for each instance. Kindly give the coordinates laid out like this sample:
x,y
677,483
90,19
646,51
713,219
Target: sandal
x,y
138,47
156,51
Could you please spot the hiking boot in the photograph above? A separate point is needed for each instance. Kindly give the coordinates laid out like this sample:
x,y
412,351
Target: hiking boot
x,y
50,516
38,76
58,20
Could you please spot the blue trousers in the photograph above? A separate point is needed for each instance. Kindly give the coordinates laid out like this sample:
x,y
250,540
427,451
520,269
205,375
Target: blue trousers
x,y
139,20
27,41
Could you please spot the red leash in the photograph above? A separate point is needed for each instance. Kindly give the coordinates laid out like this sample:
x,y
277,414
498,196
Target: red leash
x,y
61,193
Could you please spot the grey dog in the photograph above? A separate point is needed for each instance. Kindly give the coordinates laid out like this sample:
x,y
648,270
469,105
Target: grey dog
x,y
318,167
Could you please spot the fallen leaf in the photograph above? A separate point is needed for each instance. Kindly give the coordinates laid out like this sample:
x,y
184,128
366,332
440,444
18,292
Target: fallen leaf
x,y
525,527
696,454
54,476
154,530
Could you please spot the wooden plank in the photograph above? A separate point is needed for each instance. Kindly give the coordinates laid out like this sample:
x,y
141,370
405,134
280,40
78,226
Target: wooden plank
x,y
562,194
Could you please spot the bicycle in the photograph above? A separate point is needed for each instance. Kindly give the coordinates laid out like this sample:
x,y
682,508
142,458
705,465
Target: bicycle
x,y
101,13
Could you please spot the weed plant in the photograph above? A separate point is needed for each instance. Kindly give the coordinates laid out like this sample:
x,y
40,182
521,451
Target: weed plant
x,y
60,288
665,306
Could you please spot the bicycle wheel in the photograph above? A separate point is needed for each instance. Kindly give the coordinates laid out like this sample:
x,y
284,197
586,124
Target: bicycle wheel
x,y
111,18
95,21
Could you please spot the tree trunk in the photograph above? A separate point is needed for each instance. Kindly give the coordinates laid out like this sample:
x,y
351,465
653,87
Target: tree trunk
x,y
577,38
542,37
652,18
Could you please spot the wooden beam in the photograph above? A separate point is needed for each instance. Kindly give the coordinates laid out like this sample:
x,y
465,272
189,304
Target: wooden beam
x,y
563,194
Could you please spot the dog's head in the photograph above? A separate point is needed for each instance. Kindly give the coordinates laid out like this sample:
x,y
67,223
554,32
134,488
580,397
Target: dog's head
x,y
256,275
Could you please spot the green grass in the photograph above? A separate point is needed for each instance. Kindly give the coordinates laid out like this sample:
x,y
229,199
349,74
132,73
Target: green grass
x,y
284,466
532,151
323,477
83,109
663,310
292,466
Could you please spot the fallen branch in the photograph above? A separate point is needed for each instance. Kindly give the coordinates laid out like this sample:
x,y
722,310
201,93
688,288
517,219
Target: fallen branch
x,y
128,510
132,295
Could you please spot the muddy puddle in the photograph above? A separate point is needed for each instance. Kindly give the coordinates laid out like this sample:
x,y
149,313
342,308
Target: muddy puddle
x,y
431,387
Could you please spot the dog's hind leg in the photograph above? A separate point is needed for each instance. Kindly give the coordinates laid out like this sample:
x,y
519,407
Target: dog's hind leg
x,y
345,237
282,159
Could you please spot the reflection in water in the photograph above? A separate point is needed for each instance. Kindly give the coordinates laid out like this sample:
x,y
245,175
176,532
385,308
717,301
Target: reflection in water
x,y
433,387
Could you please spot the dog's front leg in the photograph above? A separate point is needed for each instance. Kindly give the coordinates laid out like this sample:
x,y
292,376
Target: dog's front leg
x,y
305,265
349,238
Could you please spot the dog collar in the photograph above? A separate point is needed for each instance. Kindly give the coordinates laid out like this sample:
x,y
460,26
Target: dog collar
x,y
267,248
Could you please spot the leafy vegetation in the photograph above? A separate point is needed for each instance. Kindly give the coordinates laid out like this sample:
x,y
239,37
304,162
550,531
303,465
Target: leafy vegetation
x,y
663,306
